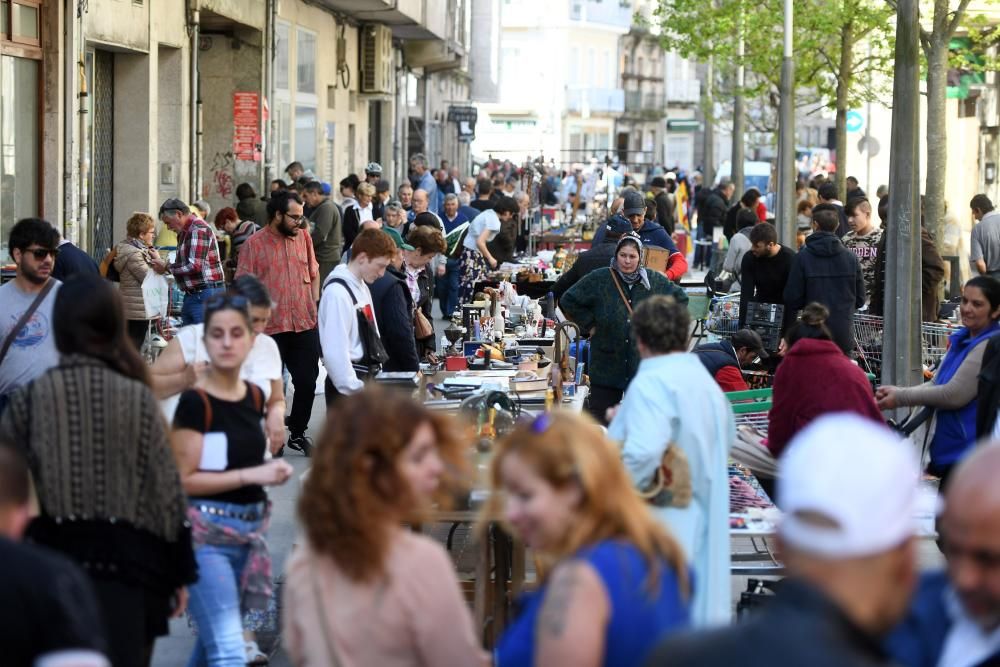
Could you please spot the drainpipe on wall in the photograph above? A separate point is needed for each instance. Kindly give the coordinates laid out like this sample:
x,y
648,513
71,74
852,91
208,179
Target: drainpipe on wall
x,y
82,231
267,126
69,192
194,29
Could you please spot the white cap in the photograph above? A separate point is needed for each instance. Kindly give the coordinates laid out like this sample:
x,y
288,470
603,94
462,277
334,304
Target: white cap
x,y
855,473
670,176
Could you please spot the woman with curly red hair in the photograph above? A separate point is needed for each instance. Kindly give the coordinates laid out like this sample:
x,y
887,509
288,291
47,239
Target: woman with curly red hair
x,y
363,589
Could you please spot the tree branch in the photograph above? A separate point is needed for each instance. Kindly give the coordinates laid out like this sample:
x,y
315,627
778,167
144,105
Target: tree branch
x,y
956,18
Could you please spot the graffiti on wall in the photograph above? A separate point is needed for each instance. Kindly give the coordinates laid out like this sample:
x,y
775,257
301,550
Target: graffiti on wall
x,y
221,182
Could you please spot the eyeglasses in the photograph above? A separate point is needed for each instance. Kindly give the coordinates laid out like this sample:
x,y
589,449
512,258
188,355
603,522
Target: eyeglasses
x,y
226,301
42,253
294,218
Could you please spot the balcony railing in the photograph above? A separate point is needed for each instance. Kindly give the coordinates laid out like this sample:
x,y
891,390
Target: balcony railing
x,y
595,100
640,102
683,91
611,13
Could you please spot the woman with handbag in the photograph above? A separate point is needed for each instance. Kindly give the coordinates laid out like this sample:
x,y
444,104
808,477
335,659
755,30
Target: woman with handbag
x,y
676,429
134,258
394,314
108,491
219,445
348,332
952,393
602,303
364,589
427,242
612,582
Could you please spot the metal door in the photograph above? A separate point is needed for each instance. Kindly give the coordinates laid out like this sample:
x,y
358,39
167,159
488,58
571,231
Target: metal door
x,y
102,151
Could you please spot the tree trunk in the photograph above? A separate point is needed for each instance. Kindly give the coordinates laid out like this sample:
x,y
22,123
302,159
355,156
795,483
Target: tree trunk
x,y
844,76
937,130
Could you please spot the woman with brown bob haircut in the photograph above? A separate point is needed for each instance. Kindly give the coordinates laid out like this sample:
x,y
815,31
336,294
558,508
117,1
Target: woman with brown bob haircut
x,y
363,589
612,581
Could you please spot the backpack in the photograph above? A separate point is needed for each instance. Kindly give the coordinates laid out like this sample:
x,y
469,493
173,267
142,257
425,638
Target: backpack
x,y
107,266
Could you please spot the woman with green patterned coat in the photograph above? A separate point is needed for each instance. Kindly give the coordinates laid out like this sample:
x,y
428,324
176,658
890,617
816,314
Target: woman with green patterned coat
x,y
602,303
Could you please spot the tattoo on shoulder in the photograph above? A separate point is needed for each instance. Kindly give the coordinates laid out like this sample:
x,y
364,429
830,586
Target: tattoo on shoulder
x,y
555,607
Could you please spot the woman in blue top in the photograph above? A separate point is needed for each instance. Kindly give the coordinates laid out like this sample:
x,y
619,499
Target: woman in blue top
x,y
613,582
952,393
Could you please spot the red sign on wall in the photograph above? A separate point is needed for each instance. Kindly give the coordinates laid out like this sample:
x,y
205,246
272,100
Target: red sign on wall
x,y
246,127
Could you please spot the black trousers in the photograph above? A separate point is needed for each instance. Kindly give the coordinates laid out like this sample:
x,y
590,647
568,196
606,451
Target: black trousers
x,y
136,330
602,398
300,354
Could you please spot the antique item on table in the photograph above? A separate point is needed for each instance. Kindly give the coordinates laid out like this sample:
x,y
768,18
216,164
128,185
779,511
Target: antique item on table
x,y
492,415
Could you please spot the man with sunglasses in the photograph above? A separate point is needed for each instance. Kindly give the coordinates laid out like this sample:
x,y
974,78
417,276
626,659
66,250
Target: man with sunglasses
x,y
197,268
27,344
283,258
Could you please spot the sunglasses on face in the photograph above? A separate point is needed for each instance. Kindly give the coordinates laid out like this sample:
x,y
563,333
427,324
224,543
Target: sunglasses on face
x,y
42,253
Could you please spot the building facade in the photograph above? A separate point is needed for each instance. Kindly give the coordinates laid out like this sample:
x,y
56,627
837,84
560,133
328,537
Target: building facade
x,y
560,85
111,106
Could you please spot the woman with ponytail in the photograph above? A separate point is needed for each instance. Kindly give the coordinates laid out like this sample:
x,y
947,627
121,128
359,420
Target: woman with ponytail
x,y
815,378
109,494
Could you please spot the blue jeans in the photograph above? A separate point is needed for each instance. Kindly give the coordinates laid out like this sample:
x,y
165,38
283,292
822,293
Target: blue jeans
x,y
447,287
214,601
193,310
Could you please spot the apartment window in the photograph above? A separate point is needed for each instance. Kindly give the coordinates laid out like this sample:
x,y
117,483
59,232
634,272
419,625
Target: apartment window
x,y
574,65
24,24
305,63
305,136
20,114
609,69
281,31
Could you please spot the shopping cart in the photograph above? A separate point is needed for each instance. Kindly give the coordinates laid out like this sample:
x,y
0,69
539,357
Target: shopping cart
x,y
724,315
869,335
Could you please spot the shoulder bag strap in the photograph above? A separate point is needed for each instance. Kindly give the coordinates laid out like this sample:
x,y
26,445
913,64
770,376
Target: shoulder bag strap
x,y
341,281
208,407
25,317
621,293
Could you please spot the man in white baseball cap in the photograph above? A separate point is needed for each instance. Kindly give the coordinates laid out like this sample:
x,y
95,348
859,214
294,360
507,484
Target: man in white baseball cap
x,y
847,491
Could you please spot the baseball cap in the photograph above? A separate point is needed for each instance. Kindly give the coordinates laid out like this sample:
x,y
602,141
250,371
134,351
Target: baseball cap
x,y
397,238
618,225
670,176
751,340
858,477
634,204
173,205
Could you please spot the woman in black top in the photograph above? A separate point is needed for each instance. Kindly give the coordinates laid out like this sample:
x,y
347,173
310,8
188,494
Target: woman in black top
x,y
219,445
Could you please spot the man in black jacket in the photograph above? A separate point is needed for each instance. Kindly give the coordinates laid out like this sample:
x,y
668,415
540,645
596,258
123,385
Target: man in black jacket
x,y
665,214
828,202
711,214
598,257
847,491
826,272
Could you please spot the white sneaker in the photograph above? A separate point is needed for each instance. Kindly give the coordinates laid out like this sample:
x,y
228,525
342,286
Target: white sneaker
x,y
254,655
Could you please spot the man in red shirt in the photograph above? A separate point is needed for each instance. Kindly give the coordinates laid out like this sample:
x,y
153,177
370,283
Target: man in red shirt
x,y
281,256
726,358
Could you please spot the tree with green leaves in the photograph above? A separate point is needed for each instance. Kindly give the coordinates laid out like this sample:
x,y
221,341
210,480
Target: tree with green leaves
x,y
828,36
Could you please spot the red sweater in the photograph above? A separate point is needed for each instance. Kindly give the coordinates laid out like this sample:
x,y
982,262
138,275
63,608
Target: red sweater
x,y
816,378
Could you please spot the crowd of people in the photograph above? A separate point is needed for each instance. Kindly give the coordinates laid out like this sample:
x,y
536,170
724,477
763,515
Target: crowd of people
x,y
141,491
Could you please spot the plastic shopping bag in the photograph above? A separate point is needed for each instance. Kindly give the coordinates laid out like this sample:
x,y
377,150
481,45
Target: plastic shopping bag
x,y
155,295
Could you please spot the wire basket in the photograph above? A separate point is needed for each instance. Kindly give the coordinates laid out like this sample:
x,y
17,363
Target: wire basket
x,y
724,315
869,333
